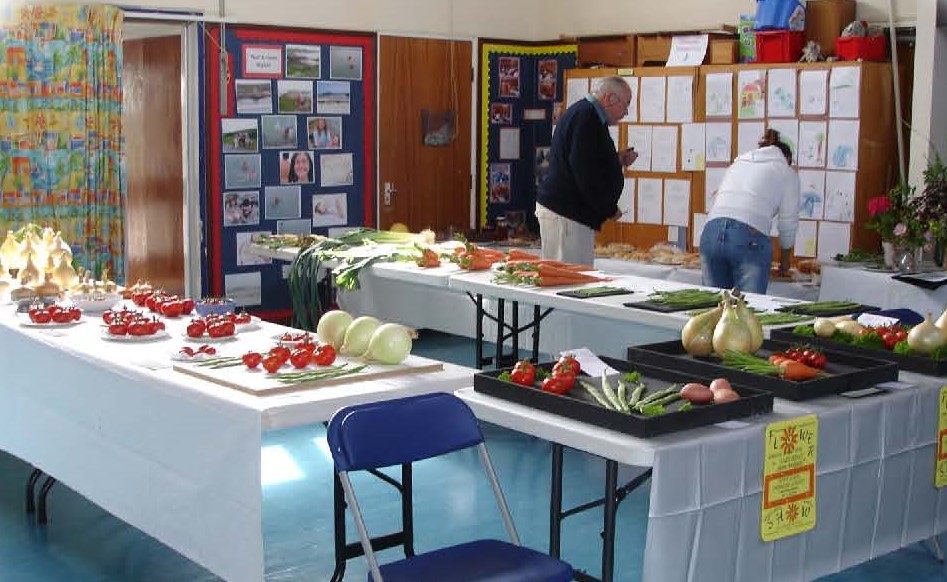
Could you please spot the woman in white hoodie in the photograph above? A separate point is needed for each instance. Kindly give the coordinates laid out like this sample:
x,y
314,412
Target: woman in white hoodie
x,y
735,247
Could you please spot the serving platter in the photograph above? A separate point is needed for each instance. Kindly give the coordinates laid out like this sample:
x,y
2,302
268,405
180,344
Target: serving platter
x,y
132,339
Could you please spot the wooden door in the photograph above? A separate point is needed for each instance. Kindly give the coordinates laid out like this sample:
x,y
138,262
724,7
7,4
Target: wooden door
x,y
424,179
151,114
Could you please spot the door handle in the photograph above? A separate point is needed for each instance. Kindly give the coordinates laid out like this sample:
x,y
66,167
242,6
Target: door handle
x,y
389,189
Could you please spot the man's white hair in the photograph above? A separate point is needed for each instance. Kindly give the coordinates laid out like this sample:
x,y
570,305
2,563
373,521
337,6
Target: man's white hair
x,y
609,85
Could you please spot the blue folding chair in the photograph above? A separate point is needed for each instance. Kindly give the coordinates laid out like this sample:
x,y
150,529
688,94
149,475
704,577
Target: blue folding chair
x,y
367,437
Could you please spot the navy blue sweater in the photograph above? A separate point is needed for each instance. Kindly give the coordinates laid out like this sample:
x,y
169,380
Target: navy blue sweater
x,y
585,179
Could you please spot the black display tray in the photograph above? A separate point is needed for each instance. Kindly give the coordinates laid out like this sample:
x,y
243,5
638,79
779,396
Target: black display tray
x,y
593,292
579,405
907,362
847,371
660,308
931,280
860,308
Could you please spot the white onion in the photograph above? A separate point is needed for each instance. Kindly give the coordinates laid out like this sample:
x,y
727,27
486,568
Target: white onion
x,y
941,322
331,327
824,327
697,335
732,333
358,334
926,337
390,344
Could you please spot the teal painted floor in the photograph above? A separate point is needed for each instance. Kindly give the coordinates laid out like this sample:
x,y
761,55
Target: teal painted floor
x,y
82,543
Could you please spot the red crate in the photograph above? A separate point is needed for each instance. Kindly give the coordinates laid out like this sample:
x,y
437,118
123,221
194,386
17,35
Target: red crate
x,y
866,48
779,46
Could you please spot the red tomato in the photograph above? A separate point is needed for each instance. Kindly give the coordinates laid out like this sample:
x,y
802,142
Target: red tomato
x,y
299,358
561,384
62,316
323,355
187,306
139,327
252,359
569,359
524,373
187,351
242,318
281,352
118,329
196,328
172,308
272,363
76,313
40,316
564,367
206,349
818,360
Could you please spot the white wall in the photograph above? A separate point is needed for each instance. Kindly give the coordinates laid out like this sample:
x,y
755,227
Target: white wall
x,y
929,124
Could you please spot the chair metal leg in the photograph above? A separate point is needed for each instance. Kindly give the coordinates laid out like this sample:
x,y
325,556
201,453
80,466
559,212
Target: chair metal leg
x,y
338,513
41,515
407,509
31,491
936,549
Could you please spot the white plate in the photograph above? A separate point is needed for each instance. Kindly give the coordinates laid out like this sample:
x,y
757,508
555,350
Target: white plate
x,y
159,335
25,322
206,339
277,337
197,357
252,326
102,302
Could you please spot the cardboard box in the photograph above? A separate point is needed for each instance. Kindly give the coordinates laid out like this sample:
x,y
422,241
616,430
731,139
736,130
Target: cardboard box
x,y
723,51
609,51
825,19
652,50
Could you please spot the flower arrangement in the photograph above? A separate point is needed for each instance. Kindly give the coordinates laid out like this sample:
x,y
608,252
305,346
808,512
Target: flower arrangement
x,y
898,220
932,201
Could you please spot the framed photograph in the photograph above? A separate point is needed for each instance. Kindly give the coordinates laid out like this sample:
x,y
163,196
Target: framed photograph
x,y
245,256
345,63
499,183
241,171
303,61
239,136
541,164
334,97
245,289
509,77
279,131
294,226
294,96
325,133
534,114
329,210
501,113
548,79
336,169
253,97
241,208
262,61
296,168
282,202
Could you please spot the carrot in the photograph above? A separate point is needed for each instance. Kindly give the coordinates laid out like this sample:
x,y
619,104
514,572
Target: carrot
x,y
797,371
550,281
516,254
778,359
475,262
552,271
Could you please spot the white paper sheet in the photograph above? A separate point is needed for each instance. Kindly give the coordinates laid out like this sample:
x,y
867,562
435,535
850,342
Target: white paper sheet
x,y
639,137
781,93
613,133
680,101
844,92
688,50
834,239
840,196
813,88
677,202
806,238
509,143
811,194
843,145
751,92
651,99
719,98
649,201
748,135
719,142
576,89
632,116
692,147
664,148
700,221
812,144
244,288
788,133
713,177
626,202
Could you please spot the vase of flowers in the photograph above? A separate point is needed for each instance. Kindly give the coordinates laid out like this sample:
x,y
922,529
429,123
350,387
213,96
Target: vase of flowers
x,y
896,219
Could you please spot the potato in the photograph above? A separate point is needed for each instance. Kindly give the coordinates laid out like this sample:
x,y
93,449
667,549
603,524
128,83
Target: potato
x,y
721,396
697,393
720,384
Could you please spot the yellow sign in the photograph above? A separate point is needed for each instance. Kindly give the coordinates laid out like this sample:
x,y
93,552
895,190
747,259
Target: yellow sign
x,y
625,72
789,457
940,471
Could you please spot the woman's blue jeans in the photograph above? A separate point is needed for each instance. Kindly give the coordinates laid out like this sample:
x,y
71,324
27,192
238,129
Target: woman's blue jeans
x,y
734,254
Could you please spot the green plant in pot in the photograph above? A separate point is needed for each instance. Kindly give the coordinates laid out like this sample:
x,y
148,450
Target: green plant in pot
x,y
931,206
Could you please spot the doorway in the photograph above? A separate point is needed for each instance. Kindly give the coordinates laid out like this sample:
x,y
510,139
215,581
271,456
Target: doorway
x,y
425,88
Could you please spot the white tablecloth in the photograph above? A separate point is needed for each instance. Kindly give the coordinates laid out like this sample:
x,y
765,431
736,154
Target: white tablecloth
x,y
874,485
879,289
175,456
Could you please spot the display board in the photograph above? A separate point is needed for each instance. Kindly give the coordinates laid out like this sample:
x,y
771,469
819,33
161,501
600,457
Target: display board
x,y
521,88
689,124
290,150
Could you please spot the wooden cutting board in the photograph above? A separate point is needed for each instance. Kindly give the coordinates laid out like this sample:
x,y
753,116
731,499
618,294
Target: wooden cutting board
x,y
259,383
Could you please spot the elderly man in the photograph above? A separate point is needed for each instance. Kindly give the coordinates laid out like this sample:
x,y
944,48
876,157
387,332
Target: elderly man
x,y
585,178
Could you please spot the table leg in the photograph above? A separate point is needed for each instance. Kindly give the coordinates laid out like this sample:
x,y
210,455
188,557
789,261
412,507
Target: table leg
x,y
31,491
41,515
515,331
478,324
536,320
937,551
501,322
555,502
611,508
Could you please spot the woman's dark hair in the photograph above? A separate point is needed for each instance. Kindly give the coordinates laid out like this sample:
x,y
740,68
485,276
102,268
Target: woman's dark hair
x,y
293,177
771,138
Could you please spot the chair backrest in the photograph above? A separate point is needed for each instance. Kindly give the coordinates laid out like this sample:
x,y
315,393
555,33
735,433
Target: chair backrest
x,y
404,430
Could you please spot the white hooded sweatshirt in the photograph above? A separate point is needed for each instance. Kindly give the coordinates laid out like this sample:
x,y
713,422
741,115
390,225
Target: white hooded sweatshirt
x,y
758,186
